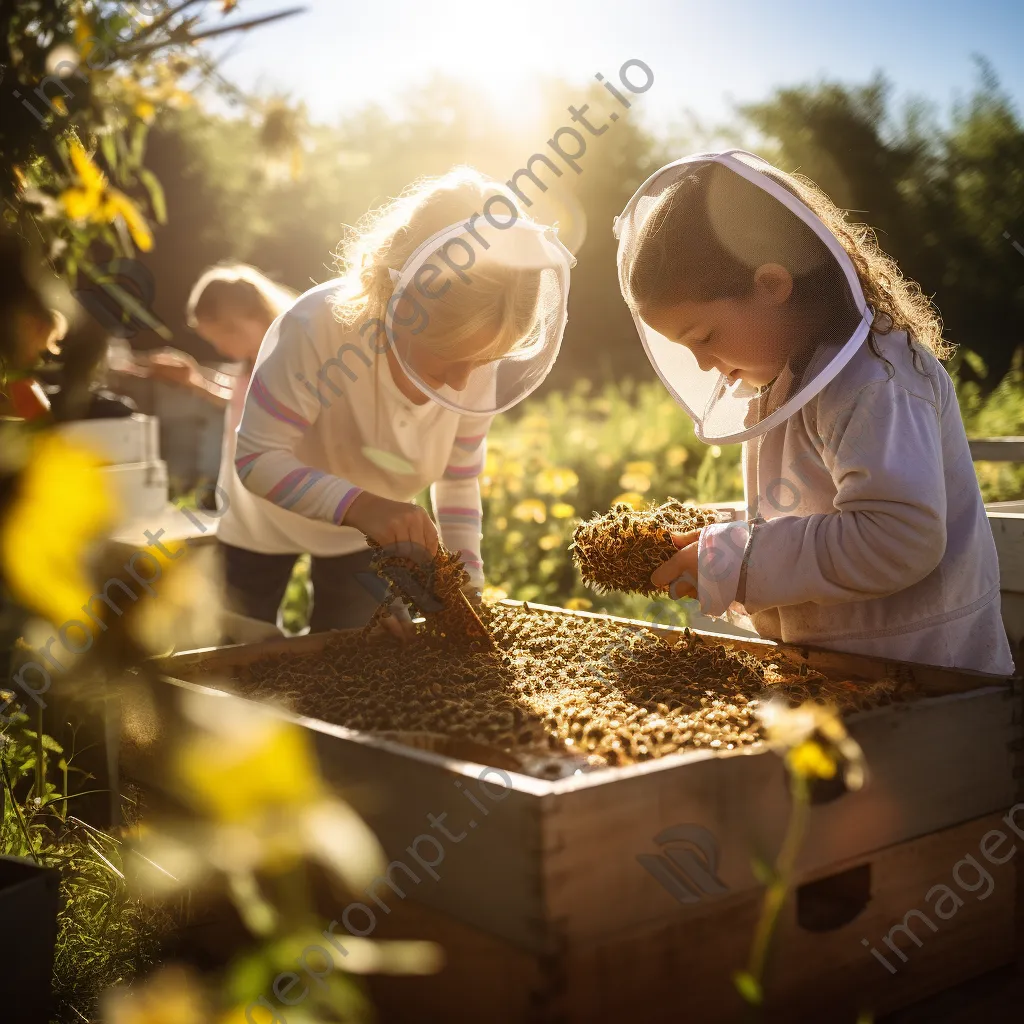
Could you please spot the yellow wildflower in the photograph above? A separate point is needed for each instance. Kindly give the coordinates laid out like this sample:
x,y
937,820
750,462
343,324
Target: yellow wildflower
x,y
237,777
491,595
630,498
62,506
530,510
578,604
172,997
549,541
560,510
638,482
811,761
715,451
814,742
643,468
557,481
501,523
145,111
676,456
92,199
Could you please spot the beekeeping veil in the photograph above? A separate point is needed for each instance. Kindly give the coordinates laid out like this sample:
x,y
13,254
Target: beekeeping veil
x,y
751,233
489,296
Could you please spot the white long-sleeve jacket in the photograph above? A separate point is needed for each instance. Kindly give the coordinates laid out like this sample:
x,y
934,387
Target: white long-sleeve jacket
x,y
865,529
323,420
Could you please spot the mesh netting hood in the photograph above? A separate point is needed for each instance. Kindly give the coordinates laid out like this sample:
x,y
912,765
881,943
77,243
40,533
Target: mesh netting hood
x,y
478,311
735,378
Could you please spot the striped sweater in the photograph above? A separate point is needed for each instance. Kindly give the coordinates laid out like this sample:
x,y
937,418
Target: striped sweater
x,y
323,421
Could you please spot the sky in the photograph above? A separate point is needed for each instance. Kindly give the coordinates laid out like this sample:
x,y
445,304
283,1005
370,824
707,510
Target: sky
x,y
704,55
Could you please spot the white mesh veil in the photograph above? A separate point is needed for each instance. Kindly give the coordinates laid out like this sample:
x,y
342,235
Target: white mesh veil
x,y
478,310
736,382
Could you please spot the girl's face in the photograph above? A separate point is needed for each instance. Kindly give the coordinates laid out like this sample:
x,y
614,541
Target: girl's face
x,y
237,337
439,371
746,339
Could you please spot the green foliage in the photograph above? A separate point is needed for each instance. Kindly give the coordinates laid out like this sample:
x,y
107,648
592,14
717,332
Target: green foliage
x,y
574,453
104,937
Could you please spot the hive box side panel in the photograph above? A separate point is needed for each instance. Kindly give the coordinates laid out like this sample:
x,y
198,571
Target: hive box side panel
x,y
477,858
644,836
684,969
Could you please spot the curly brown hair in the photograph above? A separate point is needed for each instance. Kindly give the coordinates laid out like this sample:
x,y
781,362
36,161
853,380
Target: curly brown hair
x,y
679,254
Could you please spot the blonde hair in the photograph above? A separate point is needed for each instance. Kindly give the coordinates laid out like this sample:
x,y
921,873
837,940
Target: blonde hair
x,y
500,300
236,289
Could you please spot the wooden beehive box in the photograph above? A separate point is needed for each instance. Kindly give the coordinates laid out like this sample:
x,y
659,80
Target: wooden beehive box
x,y
1007,521
554,889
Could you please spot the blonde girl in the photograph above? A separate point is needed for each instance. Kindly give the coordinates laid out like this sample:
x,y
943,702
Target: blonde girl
x,y
776,323
372,387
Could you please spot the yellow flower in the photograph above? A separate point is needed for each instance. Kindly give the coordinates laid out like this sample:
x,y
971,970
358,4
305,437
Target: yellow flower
x,y
556,480
715,451
560,510
814,741
810,761
236,777
62,506
630,498
578,604
639,482
530,510
643,468
172,997
492,595
603,460
93,200
676,456
501,523
549,542
145,111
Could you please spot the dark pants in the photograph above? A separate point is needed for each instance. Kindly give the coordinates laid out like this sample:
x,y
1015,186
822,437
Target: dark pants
x,y
346,591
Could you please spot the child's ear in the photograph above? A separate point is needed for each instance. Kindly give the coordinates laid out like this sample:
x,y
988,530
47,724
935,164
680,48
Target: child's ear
x,y
774,283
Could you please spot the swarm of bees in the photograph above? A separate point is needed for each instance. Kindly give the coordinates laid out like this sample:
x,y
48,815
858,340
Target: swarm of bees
x,y
620,549
561,692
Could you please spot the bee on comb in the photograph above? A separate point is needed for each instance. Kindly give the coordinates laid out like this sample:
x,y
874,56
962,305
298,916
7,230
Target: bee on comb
x,y
620,549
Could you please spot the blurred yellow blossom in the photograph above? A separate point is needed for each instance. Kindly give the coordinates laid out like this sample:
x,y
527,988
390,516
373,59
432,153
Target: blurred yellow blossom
x,y
560,510
271,764
638,482
549,542
62,506
676,456
603,460
630,498
814,741
501,523
173,996
530,510
811,761
92,199
556,480
491,595
715,451
578,604
643,468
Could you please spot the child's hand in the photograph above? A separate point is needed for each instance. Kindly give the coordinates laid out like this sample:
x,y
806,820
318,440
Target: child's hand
x,y
393,522
679,574
399,623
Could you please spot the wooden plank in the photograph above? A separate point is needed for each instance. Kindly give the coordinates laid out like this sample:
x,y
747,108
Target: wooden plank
x,y
933,764
997,449
682,970
1008,533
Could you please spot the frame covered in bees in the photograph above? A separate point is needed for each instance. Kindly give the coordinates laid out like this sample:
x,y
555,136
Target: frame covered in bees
x,y
576,855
